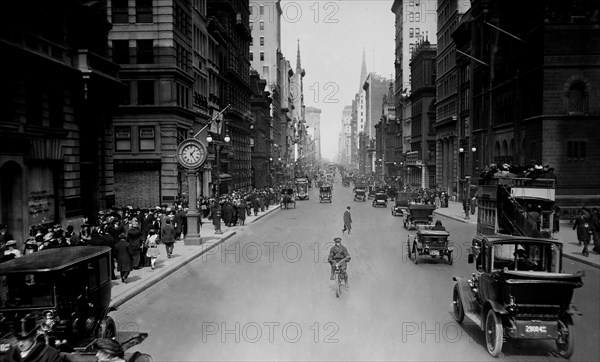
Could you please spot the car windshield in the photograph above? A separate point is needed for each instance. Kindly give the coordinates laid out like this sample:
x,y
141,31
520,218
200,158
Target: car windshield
x,y
541,257
26,291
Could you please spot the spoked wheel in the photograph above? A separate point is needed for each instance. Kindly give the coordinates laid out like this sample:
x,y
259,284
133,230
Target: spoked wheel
x,y
338,287
459,312
416,253
566,339
107,328
493,333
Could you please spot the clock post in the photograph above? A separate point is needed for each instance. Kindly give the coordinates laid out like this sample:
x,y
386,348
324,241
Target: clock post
x,y
193,231
191,154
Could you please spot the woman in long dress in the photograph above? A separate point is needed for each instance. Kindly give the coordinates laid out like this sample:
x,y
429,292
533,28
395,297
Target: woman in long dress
x,y
152,247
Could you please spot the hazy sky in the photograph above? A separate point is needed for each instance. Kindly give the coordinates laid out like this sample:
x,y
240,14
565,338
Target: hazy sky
x,y
332,36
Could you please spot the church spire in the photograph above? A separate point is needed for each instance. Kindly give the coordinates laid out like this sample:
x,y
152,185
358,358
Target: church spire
x,y
298,65
363,71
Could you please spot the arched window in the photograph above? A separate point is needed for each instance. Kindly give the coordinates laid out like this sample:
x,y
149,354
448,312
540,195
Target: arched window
x,y
576,98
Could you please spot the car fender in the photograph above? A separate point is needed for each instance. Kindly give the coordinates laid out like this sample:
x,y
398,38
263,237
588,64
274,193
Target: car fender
x,y
497,307
572,310
466,295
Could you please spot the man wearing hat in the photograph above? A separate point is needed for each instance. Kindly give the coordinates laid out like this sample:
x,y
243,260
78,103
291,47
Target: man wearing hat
x,y
339,255
11,248
109,350
29,348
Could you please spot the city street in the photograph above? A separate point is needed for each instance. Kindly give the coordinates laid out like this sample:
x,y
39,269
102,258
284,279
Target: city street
x,y
265,294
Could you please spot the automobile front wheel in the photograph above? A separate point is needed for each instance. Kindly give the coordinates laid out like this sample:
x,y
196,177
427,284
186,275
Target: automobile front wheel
x,y
566,339
493,333
459,312
107,328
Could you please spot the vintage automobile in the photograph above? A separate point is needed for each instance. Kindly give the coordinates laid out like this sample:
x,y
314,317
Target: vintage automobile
x,y
288,198
380,199
518,292
360,192
325,193
372,191
429,242
403,199
418,216
302,186
346,181
67,291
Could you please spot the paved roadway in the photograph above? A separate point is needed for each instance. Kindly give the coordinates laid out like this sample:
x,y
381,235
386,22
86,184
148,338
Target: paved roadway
x,y
266,295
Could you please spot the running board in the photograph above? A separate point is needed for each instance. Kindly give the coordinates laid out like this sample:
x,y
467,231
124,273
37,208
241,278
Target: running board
x,y
466,296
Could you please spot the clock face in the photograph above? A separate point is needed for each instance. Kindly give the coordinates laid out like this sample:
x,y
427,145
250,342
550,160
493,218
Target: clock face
x,y
191,153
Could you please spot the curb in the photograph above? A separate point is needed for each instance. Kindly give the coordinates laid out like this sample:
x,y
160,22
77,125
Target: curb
x,y
453,217
581,260
158,277
266,213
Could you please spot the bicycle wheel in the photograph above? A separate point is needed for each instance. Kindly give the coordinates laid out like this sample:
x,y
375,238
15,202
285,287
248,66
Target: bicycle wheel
x,y
338,287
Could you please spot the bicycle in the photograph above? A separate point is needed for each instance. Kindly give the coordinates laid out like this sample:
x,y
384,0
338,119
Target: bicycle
x,y
338,277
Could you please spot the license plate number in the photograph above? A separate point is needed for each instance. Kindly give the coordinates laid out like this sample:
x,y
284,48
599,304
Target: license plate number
x,y
536,329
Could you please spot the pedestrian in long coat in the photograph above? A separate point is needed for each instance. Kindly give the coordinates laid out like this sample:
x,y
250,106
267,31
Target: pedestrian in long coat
x,y
241,212
255,205
167,237
124,256
347,220
134,238
582,225
179,221
227,213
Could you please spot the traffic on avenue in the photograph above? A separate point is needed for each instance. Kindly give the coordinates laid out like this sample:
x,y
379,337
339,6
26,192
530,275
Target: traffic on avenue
x,y
263,291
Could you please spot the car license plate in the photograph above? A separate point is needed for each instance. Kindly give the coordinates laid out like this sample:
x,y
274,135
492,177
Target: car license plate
x,y
434,253
537,330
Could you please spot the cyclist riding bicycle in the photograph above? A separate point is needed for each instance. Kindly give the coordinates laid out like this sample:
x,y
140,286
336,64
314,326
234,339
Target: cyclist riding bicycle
x,y
339,255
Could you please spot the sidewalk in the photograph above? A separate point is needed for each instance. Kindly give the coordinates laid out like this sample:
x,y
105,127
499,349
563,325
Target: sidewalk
x,y
566,235
141,279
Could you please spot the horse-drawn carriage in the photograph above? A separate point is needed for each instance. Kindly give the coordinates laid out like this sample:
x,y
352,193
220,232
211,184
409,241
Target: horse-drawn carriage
x,y
429,242
360,192
287,198
418,216
325,193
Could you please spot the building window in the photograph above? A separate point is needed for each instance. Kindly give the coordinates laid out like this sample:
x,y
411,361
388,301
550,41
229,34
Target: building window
x,y
417,32
262,41
261,25
123,138
120,49
261,10
417,17
251,41
251,56
576,98
120,12
411,32
262,56
126,95
147,142
145,92
251,25
145,52
411,16
143,11
576,151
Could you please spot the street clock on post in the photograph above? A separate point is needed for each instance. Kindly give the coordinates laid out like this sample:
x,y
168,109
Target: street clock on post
x,y
191,153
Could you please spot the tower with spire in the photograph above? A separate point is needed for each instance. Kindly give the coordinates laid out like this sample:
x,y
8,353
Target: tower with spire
x,y
363,71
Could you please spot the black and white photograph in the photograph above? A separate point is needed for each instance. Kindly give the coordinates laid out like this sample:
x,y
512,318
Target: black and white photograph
x,y
299,180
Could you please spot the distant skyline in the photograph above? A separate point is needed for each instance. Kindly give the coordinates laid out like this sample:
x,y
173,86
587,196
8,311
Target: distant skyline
x,y
332,36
